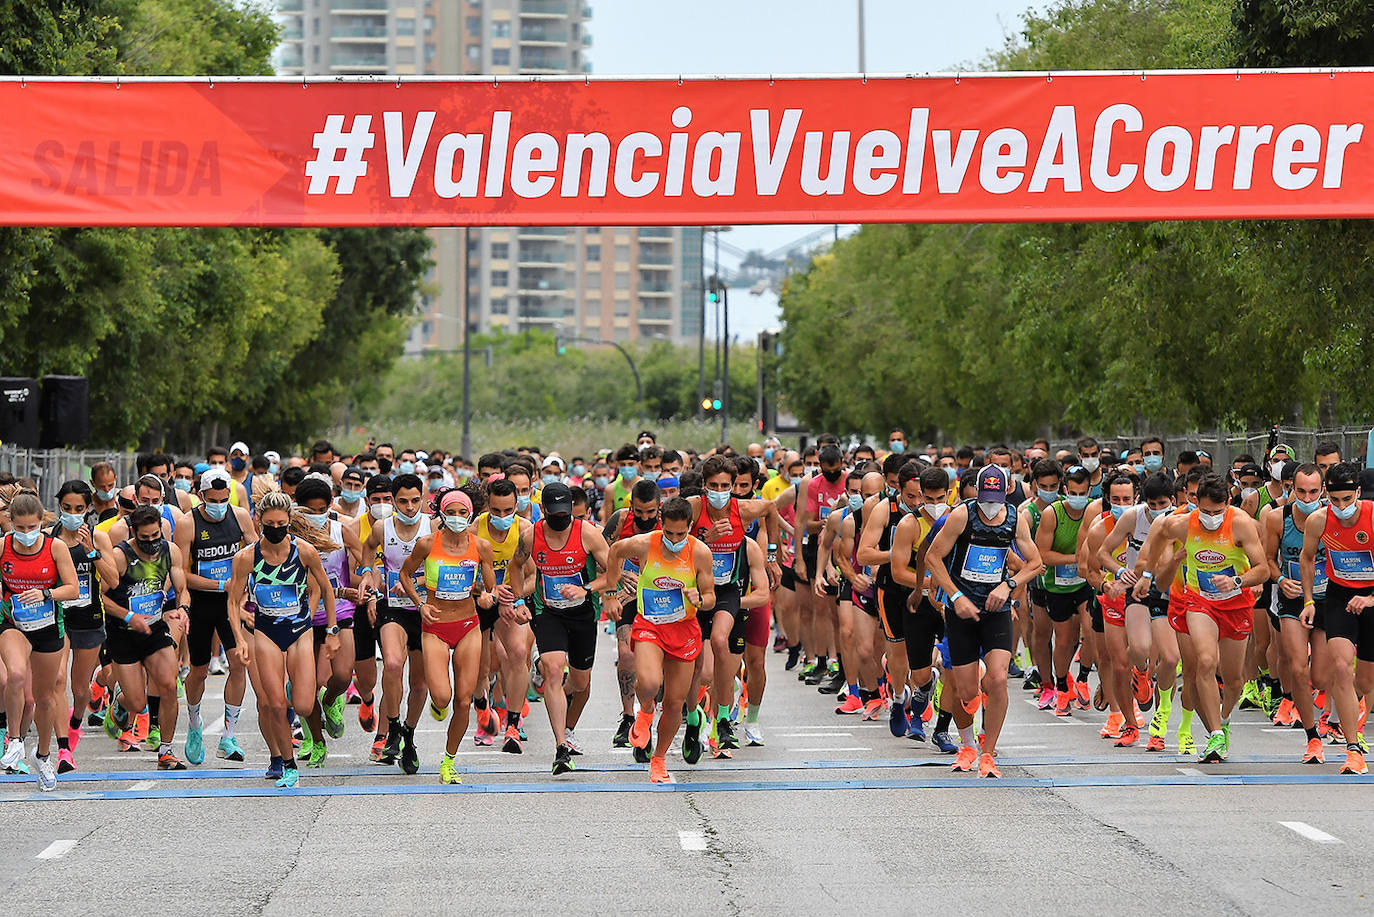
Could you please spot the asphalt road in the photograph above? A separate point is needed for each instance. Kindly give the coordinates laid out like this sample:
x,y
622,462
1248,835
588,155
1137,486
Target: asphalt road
x,y
833,815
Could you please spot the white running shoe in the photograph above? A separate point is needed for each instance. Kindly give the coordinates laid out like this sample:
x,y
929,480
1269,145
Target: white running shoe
x,y
753,735
47,774
14,753
571,741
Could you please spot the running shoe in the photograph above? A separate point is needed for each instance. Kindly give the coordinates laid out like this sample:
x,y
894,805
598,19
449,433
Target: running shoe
x,y
621,739
152,738
815,676
917,730
110,721
1083,698
965,759
793,657
229,749
392,749
1014,670
725,734
944,743
127,742
439,714
375,752
1226,737
1032,681
779,643
65,763
367,716
47,776
169,762
512,744
1064,702
448,773
1185,743
570,740
14,753
1112,728
1215,752
1130,734
873,710
1048,698
351,696
897,721
851,704
482,736
333,717
73,734
640,755
195,745
1156,743
1313,753
275,768
217,666
1143,688
1354,764
987,767
289,778
1100,698
1335,735
658,771
317,755
562,761
691,741
1249,697
1323,723
1286,714
832,684
716,750
410,755
753,735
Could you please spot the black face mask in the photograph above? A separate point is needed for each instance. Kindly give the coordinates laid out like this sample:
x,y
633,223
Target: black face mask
x,y
645,525
149,547
832,476
560,522
275,534
383,465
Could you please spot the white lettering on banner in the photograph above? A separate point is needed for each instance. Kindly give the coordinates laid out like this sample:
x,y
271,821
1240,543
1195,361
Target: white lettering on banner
x,y
833,162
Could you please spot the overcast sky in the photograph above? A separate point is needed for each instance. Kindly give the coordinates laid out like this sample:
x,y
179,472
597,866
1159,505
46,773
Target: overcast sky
x,y
792,36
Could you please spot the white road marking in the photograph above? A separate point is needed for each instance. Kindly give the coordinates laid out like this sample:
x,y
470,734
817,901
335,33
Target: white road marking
x,y
847,748
1023,747
56,850
214,728
143,785
1191,772
690,840
1316,835
811,735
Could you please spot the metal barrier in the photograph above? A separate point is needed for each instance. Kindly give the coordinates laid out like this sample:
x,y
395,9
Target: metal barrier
x,y
50,468
1223,445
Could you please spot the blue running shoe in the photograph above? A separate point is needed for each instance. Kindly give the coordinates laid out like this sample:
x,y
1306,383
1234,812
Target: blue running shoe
x,y
945,743
274,769
897,719
917,730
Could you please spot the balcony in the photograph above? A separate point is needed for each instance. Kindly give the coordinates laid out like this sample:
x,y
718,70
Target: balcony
x,y
655,261
538,282
291,6
531,255
358,33
356,59
544,8
291,56
586,12
654,234
358,6
530,60
540,35
293,29
543,232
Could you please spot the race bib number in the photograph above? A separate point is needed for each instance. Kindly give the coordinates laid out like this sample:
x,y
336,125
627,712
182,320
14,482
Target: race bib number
x,y
455,581
1352,565
1211,591
37,616
824,513
1067,575
83,590
277,601
662,606
217,569
147,606
723,567
399,599
983,564
553,590
500,574
1318,577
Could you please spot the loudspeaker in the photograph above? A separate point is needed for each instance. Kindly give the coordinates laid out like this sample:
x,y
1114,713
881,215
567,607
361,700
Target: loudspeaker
x,y
19,411
66,411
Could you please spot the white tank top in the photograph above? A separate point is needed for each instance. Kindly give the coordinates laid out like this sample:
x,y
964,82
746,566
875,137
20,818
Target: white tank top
x,y
1136,540
394,554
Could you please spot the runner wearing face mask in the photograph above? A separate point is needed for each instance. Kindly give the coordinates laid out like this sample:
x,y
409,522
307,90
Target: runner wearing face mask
x,y
896,440
816,498
1066,592
640,518
616,495
1090,457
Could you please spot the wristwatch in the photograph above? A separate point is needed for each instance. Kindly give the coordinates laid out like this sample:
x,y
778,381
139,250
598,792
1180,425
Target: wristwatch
x,y
47,595
1238,580
332,630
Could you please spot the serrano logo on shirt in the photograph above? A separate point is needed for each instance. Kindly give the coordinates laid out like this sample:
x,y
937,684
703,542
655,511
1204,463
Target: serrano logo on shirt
x,y
1210,557
667,582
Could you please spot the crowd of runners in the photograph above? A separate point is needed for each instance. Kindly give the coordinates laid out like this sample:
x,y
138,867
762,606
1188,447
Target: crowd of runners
x,y
909,585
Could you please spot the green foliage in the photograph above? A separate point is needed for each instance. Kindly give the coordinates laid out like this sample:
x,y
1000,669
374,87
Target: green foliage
x,y
1012,330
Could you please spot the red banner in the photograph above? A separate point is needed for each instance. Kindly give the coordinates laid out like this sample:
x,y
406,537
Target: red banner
x,y
370,151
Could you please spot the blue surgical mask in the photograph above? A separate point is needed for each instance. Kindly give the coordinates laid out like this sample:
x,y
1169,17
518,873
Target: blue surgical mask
x,y
672,547
628,473
457,524
73,521
182,485
897,445
1156,513
436,485
216,511
105,496
1048,496
579,470
1138,469
1346,513
1153,463
795,479
602,481
318,520
651,475
501,523
28,539
1307,508
719,498
1077,502
952,473
407,468
768,454
350,496
1191,506
1117,510
408,520
522,503
856,502
273,468
550,479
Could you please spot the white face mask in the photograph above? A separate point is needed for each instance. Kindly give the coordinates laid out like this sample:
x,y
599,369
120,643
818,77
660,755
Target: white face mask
x,y
1090,464
935,511
990,509
382,510
1211,521
1276,470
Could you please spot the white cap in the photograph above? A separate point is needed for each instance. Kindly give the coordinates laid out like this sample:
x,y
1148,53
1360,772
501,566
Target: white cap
x,y
270,455
214,478
318,476
552,460
239,446
422,456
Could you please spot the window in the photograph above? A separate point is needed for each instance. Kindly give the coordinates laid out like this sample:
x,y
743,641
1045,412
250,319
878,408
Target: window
x,y
499,307
405,55
622,254
622,308
500,57
593,280
500,278
622,280
315,54
405,26
500,250
593,252
500,29
474,26
475,54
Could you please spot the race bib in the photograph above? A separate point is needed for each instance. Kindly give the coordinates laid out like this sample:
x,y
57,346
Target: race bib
x,y
147,606
217,569
37,616
400,599
1067,575
455,581
1210,591
1318,577
500,574
277,601
83,590
824,513
552,590
723,567
662,606
983,564
1352,565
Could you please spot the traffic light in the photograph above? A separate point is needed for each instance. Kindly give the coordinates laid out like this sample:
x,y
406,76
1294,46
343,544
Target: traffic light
x,y
706,404
712,296
559,346
715,404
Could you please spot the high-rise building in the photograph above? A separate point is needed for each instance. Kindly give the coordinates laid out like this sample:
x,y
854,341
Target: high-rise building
x,y
610,283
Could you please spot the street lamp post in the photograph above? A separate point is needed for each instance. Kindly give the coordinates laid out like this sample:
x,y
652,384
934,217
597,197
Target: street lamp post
x,y
725,385
467,354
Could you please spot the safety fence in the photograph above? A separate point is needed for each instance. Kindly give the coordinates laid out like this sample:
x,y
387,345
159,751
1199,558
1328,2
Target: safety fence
x,y
49,468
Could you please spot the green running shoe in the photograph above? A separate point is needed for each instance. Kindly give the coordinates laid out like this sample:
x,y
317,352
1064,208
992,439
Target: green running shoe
x,y
1249,697
318,753
307,741
1185,743
448,773
154,739
1226,734
334,716
1215,752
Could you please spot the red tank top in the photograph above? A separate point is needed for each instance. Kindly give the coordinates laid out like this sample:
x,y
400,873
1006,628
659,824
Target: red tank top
x,y
567,560
730,543
821,495
1350,549
21,572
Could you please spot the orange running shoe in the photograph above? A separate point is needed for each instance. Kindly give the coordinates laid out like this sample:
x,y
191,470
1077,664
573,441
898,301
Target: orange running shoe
x,y
851,704
639,732
1319,700
1063,703
873,710
1354,764
658,771
140,730
1156,743
1112,728
987,767
1285,714
367,716
965,760
1084,697
1314,753
1129,736
1144,691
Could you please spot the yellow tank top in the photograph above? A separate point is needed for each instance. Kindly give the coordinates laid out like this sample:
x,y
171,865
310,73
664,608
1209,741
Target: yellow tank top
x,y
1210,553
501,551
364,533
